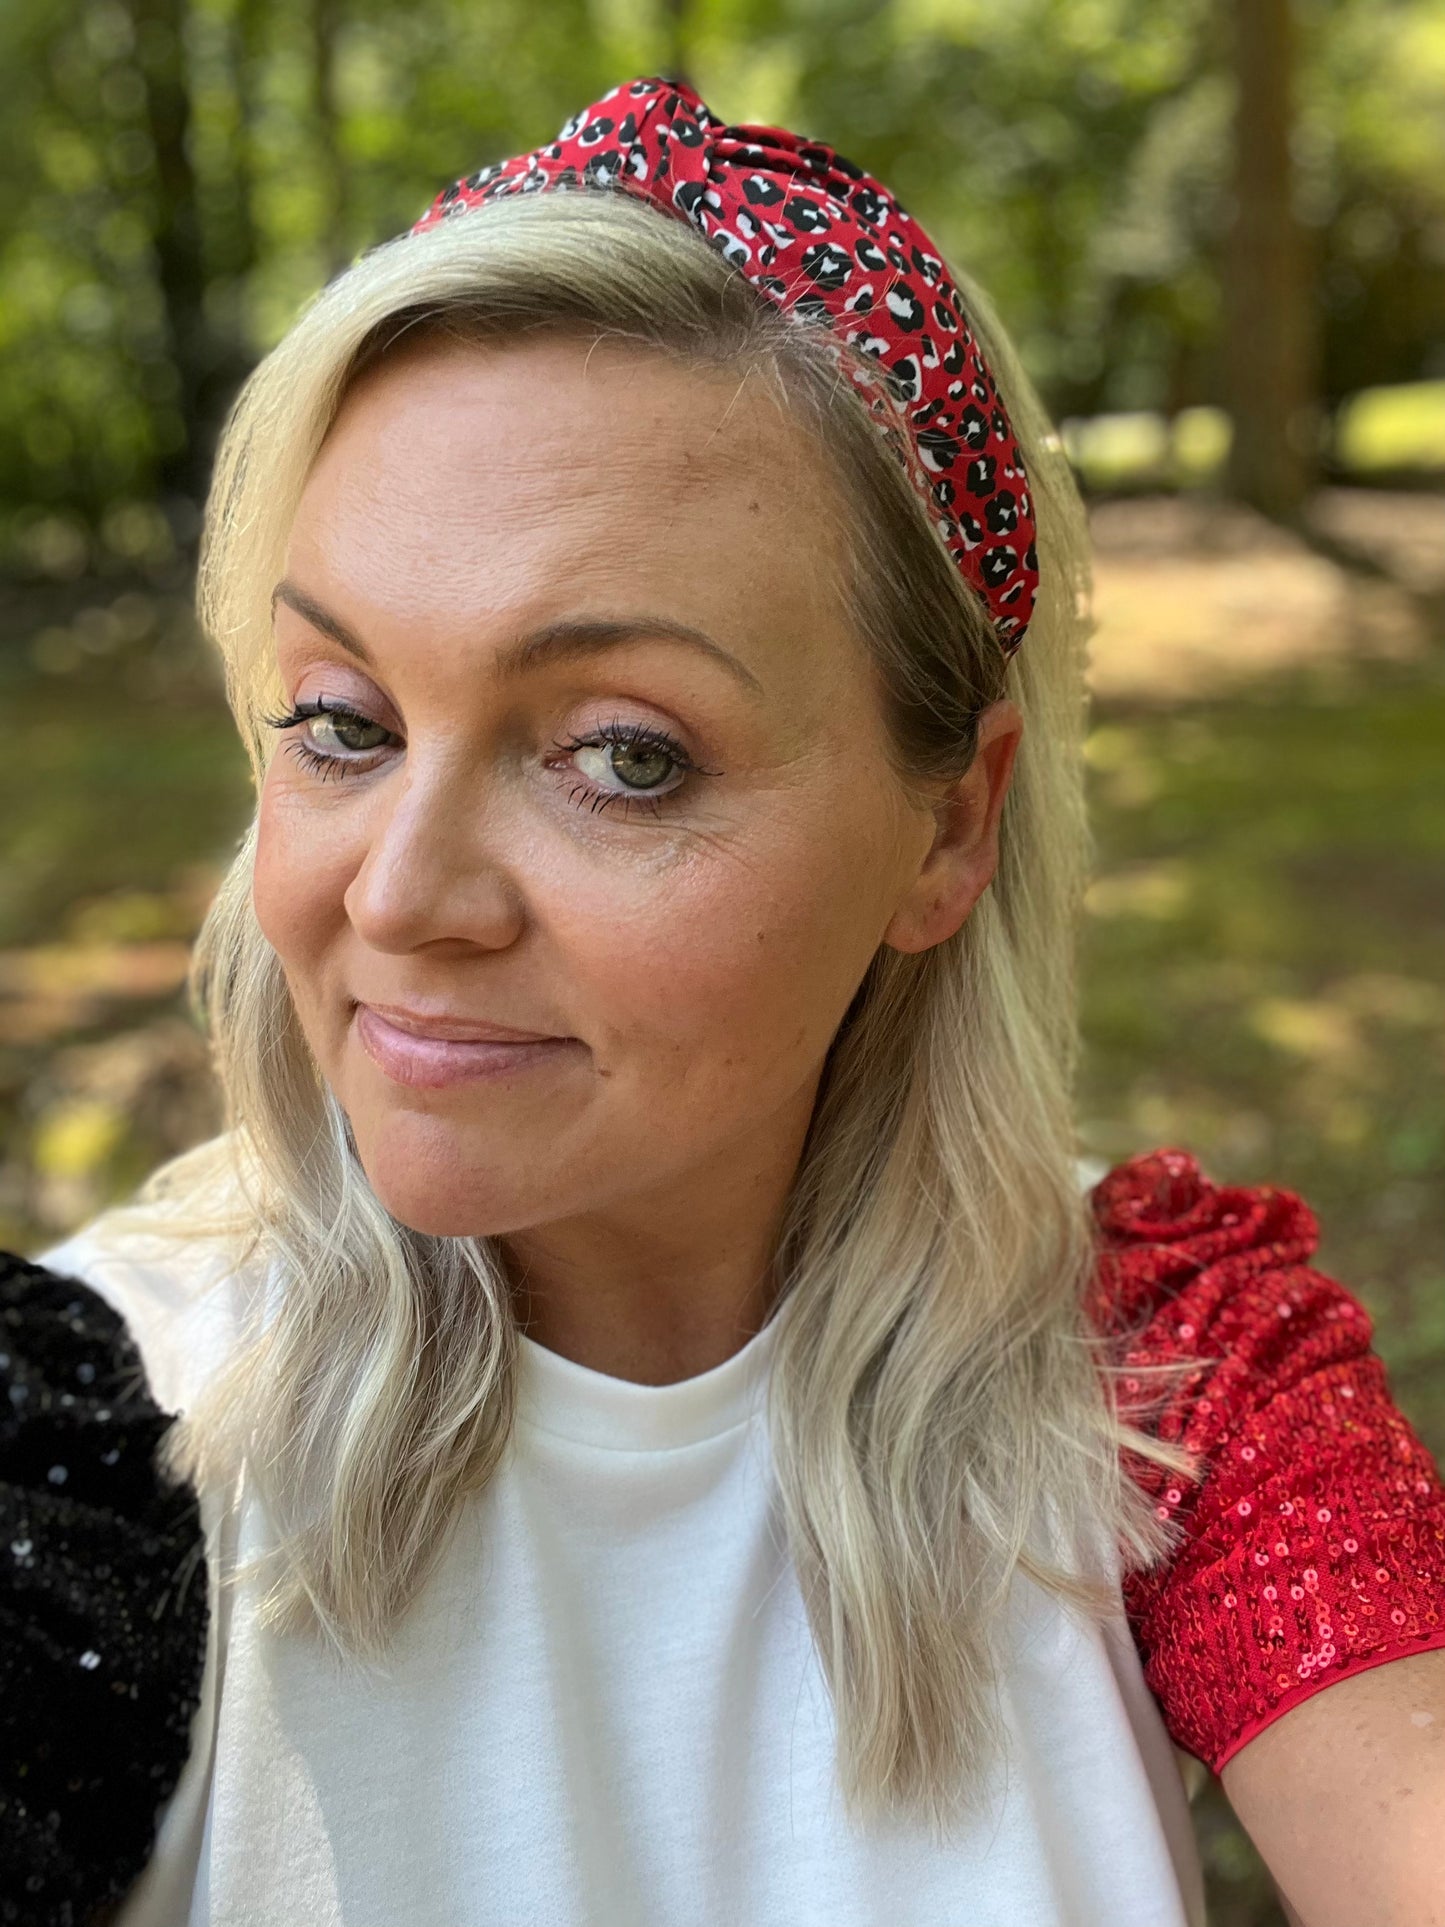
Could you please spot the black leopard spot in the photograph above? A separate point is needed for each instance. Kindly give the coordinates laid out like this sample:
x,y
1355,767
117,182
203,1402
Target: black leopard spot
x,y
1031,557
1000,426
868,205
596,130
938,449
905,307
827,157
730,247
805,216
688,196
761,191
827,265
928,265
1002,513
973,428
953,358
870,257
981,472
971,530
944,493
907,378
998,565
686,131
812,306
601,170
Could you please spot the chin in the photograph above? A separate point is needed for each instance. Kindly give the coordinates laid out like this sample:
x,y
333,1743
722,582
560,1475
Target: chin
x,y
432,1182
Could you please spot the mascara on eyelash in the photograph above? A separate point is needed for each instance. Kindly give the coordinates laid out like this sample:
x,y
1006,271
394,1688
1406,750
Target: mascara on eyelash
x,y
304,712
616,734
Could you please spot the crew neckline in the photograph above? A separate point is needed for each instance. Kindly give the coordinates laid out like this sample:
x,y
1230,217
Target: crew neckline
x,y
572,1401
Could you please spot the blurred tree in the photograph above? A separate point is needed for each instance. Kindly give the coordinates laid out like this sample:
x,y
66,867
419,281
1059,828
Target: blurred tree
x,y
327,118
183,174
1269,337
157,33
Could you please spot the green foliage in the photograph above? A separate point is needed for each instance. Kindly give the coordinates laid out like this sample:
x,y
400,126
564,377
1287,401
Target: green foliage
x,y
1072,153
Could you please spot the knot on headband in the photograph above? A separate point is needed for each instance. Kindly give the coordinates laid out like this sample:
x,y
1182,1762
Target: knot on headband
x,y
828,243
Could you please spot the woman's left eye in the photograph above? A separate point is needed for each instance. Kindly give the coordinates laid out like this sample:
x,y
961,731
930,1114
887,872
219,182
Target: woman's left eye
x,y
637,755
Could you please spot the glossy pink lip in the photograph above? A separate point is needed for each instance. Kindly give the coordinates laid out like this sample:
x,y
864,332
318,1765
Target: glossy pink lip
x,y
461,1030
430,1062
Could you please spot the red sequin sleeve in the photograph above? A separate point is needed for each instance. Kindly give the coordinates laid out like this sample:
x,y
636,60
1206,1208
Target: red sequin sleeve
x,y
1315,1541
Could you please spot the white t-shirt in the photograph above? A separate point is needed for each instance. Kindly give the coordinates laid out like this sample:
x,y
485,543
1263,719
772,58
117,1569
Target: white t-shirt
x,y
605,1709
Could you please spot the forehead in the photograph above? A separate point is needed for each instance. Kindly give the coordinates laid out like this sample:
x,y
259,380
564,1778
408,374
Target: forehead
x,y
521,478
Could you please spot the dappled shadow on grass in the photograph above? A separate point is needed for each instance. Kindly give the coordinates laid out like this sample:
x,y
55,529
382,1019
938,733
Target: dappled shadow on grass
x,y
1261,954
1262,968
1262,984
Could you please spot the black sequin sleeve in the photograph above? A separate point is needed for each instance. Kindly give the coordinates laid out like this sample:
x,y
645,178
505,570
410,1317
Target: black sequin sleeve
x,y
103,1605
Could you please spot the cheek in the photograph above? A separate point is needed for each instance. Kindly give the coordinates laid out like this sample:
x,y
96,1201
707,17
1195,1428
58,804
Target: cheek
x,y
302,866
734,965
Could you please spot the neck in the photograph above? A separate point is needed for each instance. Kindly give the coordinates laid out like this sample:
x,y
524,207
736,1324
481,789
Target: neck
x,y
672,1282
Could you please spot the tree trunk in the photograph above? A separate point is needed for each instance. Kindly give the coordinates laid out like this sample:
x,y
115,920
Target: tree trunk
x,y
176,241
1270,358
676,64
325,18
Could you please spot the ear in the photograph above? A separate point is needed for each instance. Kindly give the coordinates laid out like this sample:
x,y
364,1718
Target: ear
x,y
959,866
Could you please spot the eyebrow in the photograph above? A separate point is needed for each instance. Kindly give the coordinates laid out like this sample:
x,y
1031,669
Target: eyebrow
x,y
554,642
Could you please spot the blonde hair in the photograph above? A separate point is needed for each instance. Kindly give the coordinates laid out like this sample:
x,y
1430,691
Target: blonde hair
x,y
937,1393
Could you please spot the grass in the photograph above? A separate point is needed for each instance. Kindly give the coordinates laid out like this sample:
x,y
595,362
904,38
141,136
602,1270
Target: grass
x,y
1262,976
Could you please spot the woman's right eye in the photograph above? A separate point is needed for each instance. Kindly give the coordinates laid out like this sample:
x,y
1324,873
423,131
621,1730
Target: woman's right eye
x,y
340,723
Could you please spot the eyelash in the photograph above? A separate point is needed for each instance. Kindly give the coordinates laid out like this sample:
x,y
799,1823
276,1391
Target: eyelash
x,y
635,736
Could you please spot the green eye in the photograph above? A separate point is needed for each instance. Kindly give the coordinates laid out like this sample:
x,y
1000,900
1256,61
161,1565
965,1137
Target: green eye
x,y
344,725
338,719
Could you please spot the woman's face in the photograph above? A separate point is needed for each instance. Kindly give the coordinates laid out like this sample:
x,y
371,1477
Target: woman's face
x,y
612,773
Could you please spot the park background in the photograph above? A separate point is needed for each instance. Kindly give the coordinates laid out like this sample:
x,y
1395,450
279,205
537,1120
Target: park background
x,y
1216,229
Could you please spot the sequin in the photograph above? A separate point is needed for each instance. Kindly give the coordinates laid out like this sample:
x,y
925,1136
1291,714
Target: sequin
x,y
102,1645
1246,1620
1296,1421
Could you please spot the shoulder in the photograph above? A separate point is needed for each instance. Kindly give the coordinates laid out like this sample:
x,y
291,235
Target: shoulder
x,y
103,1598
177,1270
1313,1544
1163,1224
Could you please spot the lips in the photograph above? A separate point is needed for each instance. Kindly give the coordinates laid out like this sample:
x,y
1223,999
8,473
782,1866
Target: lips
x,y
461,1030
429,1062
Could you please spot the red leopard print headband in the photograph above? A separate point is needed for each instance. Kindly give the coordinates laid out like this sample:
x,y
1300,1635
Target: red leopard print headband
x,y
861,265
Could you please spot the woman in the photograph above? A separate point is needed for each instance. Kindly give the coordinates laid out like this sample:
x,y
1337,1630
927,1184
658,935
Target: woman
x,y
672,1432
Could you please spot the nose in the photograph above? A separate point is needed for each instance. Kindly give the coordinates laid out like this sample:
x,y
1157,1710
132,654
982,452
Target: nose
x,y
433,864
